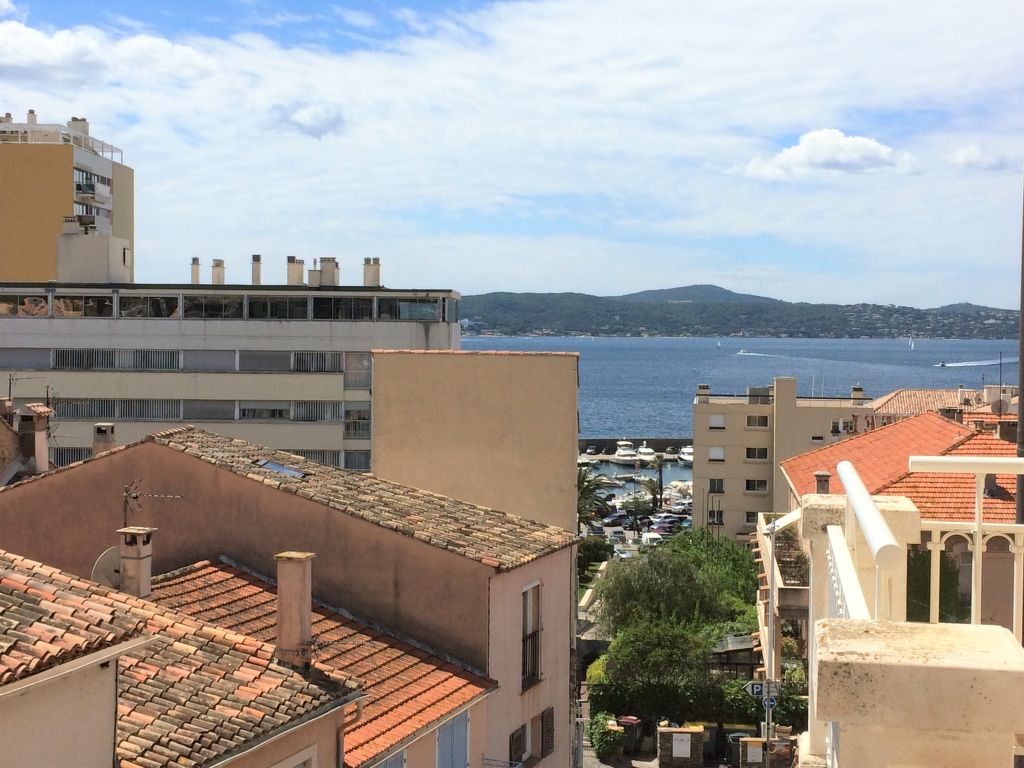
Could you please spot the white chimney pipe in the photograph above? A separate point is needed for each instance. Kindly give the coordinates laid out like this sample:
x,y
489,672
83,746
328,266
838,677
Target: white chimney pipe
x,y
371,272
31,117
102,437
137,560
217,272
257,267
328,271
295,269
195,270
294,607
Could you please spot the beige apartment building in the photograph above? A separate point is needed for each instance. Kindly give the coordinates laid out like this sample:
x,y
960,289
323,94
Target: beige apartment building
x,y
739,441
283,365
50,175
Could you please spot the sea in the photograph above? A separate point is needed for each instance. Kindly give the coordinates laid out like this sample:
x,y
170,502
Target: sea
x,y
644,387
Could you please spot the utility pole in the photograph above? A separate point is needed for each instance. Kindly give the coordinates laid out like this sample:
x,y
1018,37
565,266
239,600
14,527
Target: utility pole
x,y
770,648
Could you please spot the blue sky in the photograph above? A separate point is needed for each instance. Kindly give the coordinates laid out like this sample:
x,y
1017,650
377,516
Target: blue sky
x,y
807,151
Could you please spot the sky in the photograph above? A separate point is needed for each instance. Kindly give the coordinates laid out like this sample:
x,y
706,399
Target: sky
x,y
808,151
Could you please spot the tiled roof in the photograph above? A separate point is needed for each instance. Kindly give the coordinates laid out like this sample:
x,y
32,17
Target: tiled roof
x,y
880,455
494,538
195,694
407,689
941,496
909,401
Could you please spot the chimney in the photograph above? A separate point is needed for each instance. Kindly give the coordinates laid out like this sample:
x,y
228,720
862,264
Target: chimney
x,y
30,118
195,270
136,560
6,119
7,411
71,226
314,276
328,271
217,272
1007,430
102,437
703,393
371,272
821,478
295,268
991,487
857,392
257,267
34,433
294,606
79,124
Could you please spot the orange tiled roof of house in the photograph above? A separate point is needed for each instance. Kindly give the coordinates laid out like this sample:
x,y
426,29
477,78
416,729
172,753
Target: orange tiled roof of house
x,y
197,693
940,496
497,539
407,689
911,401
880,455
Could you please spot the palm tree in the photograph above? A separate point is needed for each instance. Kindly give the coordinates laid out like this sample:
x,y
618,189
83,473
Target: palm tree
x,y
658,491
589,495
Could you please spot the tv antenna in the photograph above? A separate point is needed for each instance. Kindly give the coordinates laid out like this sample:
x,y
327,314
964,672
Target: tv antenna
x,y
132,494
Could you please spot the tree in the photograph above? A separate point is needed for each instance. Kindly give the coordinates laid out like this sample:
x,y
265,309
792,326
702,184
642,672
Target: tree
x,y
659,464
919,579
696,578
589,495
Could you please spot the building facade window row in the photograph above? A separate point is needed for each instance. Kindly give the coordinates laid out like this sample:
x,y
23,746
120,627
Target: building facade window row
x,y
355,416
355,461
214,306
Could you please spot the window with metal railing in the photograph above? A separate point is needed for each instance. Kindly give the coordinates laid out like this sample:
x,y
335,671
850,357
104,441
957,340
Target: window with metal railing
x,y
83,408
357,461
148,409
319,410
62,456
116,359
531,636
319,362
357,421
331,458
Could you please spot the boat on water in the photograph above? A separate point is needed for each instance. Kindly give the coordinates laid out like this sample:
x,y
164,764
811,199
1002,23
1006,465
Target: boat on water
x,y
625,453
646,454
686,455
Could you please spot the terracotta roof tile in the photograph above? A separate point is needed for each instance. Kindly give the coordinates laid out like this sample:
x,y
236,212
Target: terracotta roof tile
x,y
194,678
478,533
903,402
407,689
880,455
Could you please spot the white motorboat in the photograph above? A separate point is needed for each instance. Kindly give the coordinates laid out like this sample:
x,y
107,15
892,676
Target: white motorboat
x,y
686,455
645,454
625,453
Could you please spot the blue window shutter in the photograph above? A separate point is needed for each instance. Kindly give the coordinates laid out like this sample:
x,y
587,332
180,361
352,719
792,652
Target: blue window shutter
x,y
445,746
460,741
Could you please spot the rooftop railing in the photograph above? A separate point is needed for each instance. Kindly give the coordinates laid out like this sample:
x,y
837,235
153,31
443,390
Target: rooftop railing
x,y
46,133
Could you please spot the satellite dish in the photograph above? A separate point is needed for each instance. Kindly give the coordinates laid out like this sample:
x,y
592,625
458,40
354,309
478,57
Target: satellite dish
x,y
1000,406
107,570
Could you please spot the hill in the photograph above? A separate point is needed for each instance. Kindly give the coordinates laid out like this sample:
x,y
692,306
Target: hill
x,y
708,294
581,314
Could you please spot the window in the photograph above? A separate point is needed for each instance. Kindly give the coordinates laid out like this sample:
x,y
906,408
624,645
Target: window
x,y
756,486
716,517
357,461
817,438
342,308
83,408
148,306
531,636
396,760
277,308
757,421
757,454
319,410
357,370
116,359
716,421
23,305
331,458
387,309
208,410
62,456
83,306
357,421
453,743
281,469
716,454
419,309
716,485
517,745
318,362
212,307
451,310
264,360
547,731
264,410
750,518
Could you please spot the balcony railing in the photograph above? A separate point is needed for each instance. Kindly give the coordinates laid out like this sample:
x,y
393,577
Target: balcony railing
x,y
531,659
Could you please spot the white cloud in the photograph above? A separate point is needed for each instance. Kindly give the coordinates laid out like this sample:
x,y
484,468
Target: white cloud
x,y
8,8
472,137
354,18
973,156
831,151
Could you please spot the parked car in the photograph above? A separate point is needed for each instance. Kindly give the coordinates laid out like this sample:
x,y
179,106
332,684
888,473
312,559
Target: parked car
x,y
665,528
624,552
591,450
616,518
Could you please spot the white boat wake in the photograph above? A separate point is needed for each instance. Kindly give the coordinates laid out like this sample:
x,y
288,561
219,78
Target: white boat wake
x,y
976,363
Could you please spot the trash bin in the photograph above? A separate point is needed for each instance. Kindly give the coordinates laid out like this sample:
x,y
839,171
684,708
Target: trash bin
x,y
734,748
631,726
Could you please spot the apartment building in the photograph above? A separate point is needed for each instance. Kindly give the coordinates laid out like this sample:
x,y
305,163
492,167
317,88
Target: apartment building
x,y
288,366
739,441
52,175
